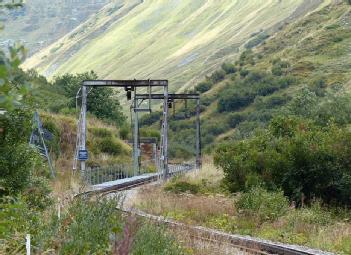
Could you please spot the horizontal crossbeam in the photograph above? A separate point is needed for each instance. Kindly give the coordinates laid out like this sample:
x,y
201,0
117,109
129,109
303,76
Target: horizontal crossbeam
x,y
125,83
170,96
145,140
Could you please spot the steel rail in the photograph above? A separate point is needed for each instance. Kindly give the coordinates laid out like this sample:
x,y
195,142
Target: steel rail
x,y
247,243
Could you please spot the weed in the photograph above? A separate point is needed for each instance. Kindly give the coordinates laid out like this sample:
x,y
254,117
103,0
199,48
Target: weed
x,y
154,240
181,187
263,205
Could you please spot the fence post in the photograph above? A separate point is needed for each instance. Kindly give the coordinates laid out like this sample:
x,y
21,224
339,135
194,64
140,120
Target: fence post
x,y
28,244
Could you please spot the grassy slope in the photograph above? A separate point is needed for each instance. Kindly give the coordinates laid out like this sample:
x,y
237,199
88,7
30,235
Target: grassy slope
x,y
42,22
317,46
97,131
194,198
178,40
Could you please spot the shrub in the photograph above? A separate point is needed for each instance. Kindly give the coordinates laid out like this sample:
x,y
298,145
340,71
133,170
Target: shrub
x,y
110,146
17,158
277,70
257,40
154,240
218,76
179,186
314,214
234,100
149,119
263,205
244,73
88,226
214,128
37,194
149,132
204,86
124,132
235,119
229,68
180,151
294,155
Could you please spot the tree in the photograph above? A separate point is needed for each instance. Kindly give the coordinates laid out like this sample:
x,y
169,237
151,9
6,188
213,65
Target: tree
x,y
102,102
11,93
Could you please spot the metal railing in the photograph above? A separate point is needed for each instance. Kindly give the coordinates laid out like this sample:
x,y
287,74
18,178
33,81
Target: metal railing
x,y
99,175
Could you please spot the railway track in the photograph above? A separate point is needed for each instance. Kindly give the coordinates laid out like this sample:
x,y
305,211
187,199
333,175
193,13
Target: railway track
x,y
249,244
244,243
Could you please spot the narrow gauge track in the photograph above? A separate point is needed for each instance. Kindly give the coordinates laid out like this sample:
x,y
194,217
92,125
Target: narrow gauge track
x,y
249,244
245,243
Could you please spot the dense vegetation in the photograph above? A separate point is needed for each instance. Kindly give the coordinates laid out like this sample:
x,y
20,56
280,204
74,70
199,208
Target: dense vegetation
x,y
28,204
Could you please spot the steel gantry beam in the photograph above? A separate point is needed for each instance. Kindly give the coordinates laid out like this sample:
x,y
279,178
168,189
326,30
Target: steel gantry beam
x,y
126,83
170,96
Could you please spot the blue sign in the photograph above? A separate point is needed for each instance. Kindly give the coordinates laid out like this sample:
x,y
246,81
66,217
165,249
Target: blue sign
x,y
83,155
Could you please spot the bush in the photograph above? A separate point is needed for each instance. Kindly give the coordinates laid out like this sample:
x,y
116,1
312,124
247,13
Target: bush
x,y
314,214
37,194
215,129
218,76
88,226
124,132
110,146
149,132
244,73
277,70
17,158
236,118
149,119
229,68
234,100
179,186
204,86
180,151
154,240
257,40
294,155
263,205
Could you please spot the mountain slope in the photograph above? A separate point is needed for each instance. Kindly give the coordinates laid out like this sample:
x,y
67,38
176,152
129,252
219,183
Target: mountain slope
x,y
177,40
313,52
41,22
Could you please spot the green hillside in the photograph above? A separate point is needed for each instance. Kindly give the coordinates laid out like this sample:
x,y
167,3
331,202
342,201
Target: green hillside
x,y
313,53
177,40
41,22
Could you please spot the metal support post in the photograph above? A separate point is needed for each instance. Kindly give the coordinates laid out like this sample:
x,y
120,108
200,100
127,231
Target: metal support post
x,y
83,127
135,137
198,136
165,133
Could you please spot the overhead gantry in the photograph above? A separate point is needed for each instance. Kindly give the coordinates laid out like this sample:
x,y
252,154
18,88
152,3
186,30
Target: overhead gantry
x,y
131,87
